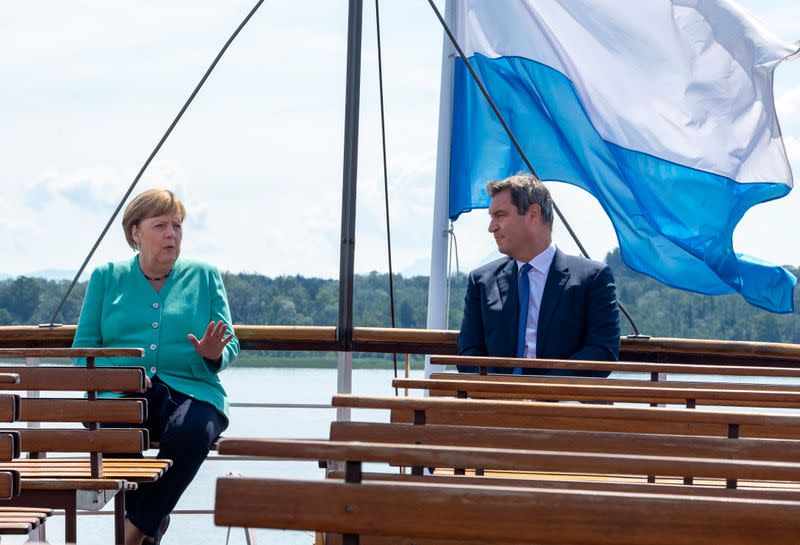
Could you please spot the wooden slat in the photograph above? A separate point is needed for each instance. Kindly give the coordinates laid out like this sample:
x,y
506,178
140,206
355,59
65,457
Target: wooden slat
x,y
562,409
517,460
30,484
564,440
645,393
497,514
79,410
19,517
32,335
717,347
587,483
9,483
518,414
15,528
403,335
9,407
54,467
37,511
70,352
9,445
81,379
106,440
285,333
628,367
8,379
146,469
612,381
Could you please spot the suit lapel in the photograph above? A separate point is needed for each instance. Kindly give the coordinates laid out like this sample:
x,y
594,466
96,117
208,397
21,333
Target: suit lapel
x,y
557,278
507,287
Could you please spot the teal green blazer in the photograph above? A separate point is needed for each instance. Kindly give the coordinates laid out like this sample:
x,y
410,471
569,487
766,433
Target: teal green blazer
x,y
122,310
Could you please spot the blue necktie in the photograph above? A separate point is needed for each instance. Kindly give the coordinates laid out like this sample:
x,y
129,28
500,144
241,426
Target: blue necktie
x,y
524,290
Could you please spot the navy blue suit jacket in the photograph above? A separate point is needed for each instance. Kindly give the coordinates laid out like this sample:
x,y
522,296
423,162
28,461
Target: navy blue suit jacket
x,y
578,316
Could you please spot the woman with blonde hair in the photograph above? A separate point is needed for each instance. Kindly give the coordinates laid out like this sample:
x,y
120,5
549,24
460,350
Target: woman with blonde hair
x,y
177,311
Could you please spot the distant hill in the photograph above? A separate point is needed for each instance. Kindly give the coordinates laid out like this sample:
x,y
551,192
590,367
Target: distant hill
x,y
298,300
47,274
55,274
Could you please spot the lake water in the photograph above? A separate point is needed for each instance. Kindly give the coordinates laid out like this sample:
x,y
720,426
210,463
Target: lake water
x,y
267,385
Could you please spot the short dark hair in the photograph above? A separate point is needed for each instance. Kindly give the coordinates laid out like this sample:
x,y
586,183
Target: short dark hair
x,y
525,191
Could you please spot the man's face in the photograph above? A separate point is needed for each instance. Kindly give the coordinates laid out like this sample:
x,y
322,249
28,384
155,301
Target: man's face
x,y
516,234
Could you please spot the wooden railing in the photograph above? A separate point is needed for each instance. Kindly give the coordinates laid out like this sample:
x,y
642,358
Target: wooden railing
x,y
423,341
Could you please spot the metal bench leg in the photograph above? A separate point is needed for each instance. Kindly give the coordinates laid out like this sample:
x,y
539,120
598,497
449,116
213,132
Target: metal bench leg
x,y
249,536
37,535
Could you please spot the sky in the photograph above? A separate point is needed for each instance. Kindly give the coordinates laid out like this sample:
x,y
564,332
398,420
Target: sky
x,y
87,88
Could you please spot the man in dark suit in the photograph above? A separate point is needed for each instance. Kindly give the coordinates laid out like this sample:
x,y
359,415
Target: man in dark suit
x,y
538,302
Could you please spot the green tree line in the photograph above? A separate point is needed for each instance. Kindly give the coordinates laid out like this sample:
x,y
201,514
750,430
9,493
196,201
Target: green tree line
x,y
297,300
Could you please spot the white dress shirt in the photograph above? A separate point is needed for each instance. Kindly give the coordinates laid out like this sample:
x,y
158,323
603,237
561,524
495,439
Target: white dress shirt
x,y
540,266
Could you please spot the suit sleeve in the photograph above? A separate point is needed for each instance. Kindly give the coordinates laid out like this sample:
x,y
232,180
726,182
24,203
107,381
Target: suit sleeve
x,y
471,337
89,333
601,341
221,311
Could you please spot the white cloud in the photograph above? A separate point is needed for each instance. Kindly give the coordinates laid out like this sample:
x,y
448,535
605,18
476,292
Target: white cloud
x,y
787,104
792,147
98,187
257,159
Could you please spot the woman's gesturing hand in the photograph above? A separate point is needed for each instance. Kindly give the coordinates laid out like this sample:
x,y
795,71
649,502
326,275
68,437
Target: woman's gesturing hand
x,y
213,341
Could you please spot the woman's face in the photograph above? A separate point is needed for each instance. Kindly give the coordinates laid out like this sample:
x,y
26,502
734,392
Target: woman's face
x,y
159,238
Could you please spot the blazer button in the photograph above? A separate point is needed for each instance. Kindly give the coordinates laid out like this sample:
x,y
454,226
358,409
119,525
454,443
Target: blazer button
x,y
155,305
152,369
155,325
153,347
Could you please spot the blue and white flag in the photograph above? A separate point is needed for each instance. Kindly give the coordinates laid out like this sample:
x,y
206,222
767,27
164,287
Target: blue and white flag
x,y
663,110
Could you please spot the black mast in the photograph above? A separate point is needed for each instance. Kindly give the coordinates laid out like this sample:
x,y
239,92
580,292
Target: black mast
x,y
349,174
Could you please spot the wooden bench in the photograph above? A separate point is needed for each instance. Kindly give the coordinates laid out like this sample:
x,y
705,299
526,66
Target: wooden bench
x,y
485,513
14,520
555,420
567,466
89,481
594,461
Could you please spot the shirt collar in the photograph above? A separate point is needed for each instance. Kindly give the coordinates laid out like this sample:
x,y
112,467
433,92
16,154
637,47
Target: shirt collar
x,y
542,261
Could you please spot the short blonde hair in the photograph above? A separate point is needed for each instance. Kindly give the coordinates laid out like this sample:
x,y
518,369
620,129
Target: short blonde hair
x,y
151,203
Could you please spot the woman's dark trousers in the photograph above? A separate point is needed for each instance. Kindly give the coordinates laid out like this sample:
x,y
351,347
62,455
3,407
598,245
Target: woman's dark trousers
x,y
186,429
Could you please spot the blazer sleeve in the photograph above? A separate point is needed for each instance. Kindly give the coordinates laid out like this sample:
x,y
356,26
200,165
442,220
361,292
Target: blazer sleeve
x,y
221,311
471,337
601,340
89,333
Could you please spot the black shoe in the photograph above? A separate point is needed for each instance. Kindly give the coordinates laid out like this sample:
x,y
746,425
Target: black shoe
x,y
162,529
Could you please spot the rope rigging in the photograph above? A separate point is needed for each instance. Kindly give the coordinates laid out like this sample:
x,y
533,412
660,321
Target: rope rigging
x,y
452,252
517,146
150,159
385,178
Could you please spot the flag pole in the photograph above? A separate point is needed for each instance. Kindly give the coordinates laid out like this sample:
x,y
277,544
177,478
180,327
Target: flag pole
x,y
437,284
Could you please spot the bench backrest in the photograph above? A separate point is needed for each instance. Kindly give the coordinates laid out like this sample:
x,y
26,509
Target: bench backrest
x,y
739,384
542,415
681,446
516,459
644,392
624,366
502,515
90,411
